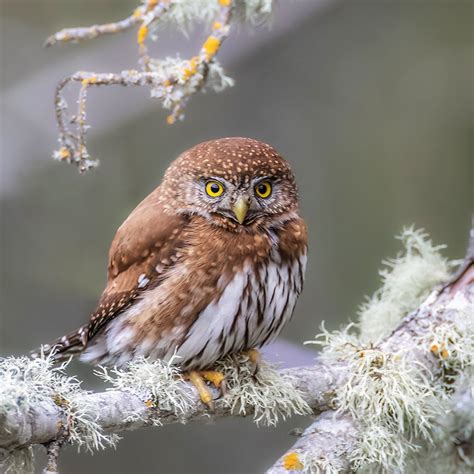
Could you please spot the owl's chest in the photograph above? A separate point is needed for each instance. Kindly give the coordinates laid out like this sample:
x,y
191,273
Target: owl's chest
x,y
250,311
215,301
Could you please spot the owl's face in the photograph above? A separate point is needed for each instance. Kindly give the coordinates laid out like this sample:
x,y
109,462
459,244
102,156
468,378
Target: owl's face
x,y
236,181
243,202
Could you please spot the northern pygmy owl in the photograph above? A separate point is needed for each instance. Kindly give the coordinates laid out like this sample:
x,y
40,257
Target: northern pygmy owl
x,y
210,263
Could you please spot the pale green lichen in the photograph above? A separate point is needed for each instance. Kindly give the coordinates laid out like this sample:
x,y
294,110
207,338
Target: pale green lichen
x,y
186,13
453,342
268,394
186,85
158,382
26,382
407,416
391,399
315,463
319,465
406,282
339,344
394,403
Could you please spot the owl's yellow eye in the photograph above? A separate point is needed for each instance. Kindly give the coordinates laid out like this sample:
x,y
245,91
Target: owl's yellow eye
x,y
214,188
263,189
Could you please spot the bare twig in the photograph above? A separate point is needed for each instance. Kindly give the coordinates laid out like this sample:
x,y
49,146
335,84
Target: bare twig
x,y
143,15
52,452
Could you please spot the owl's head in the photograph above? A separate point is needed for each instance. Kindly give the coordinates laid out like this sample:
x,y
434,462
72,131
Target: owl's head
x,y
232,181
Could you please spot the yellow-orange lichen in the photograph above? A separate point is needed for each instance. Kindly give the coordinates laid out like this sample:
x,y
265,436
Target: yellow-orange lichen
x,y
192,69
291,462
89,80
64,153
225,3
211,46
149,403
170,119
142,34
444,353
166,82
217,25
59,400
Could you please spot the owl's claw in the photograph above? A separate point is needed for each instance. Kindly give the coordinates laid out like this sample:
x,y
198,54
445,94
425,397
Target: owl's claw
x,y
204,393
216,378
254,360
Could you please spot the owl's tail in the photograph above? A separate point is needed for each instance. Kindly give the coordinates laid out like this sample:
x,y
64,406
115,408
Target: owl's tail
x,y
65,347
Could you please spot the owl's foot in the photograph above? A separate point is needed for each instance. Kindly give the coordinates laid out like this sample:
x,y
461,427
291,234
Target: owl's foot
x,y
216,378
254,359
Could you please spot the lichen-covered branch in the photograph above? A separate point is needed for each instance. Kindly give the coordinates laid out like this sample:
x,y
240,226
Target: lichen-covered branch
x,y
172,80
120,410
406,398
324,447
383,401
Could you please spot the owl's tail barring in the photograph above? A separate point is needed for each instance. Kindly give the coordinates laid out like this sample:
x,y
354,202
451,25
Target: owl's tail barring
x,y
63,348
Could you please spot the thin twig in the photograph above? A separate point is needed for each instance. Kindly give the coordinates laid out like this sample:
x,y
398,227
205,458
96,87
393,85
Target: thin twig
x,y
74,35
52,451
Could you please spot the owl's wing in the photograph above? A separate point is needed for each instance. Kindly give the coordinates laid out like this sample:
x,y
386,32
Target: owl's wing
x,y
143,248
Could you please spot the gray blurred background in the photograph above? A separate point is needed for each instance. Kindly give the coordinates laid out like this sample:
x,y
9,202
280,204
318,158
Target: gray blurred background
x,y
370,101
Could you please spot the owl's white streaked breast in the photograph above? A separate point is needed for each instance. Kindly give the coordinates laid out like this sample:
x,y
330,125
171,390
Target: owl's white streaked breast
x,y
251,310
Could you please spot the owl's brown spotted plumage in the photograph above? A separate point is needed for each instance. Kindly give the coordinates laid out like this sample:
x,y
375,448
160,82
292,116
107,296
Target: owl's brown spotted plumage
x,y
210,263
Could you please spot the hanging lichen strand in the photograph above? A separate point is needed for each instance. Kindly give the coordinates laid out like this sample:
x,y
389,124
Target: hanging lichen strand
x,y
172,80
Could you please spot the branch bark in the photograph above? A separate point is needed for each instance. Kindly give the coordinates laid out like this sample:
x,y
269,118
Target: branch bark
x,y
118,411
330,438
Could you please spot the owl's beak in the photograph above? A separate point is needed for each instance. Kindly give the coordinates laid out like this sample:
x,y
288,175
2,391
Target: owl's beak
x,y
240,209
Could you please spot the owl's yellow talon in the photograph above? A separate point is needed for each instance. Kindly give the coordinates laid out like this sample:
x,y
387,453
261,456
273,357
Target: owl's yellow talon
x,y
254,359
204,393
216,378
253,355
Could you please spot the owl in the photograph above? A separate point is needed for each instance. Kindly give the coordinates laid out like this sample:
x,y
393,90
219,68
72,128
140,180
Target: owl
x,y
209,264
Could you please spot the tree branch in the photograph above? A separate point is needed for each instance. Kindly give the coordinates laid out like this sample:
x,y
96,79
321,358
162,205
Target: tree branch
x,y
117,411
329,441
327,445
173,81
